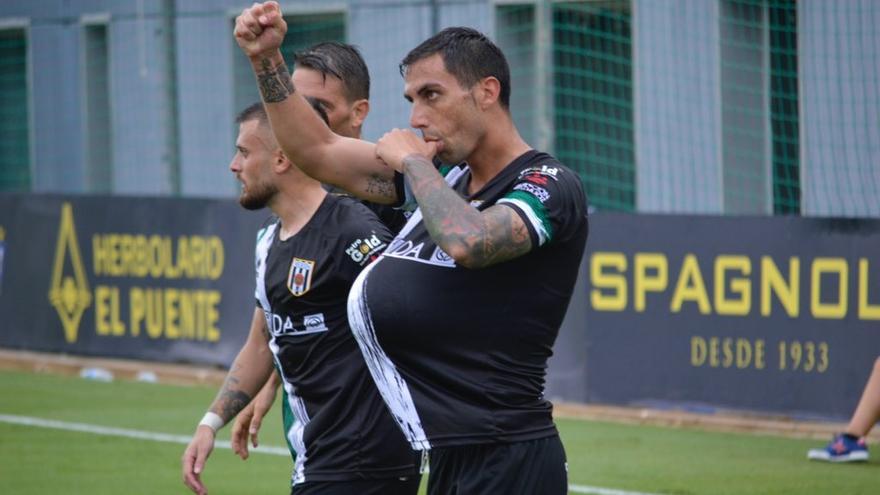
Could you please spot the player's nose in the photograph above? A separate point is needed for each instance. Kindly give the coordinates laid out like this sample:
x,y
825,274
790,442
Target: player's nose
x,y
417,118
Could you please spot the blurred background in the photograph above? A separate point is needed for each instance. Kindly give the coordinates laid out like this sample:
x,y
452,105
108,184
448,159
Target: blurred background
x,y
730,150
760,107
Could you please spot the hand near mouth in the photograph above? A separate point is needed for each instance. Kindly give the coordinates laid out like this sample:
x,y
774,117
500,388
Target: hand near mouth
x,y
397,144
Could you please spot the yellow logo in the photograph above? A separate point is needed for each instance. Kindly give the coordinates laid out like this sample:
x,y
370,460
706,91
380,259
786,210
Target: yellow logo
x,y
69,293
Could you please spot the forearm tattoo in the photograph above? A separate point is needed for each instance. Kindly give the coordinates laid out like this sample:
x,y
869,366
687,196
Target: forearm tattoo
x,y
488,237
275,83
230,400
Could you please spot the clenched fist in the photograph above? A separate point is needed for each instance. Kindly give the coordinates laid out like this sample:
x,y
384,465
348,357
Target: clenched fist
x,y
260,29
397,144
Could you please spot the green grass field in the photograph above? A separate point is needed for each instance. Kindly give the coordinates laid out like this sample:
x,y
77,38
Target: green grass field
x,y
37,460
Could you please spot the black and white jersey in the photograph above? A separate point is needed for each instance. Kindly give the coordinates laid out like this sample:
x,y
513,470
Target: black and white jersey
x,y
391,217
460,355
335,422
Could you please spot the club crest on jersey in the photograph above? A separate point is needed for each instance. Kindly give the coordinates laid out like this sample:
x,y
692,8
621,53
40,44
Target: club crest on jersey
x,y
299,280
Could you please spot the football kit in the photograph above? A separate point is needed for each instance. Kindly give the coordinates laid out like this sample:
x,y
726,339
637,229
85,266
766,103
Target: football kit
x,y
460,355
335,422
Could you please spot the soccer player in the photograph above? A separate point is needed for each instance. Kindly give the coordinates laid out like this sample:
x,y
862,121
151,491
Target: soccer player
x,y
850,445
336,76
458,317
341,435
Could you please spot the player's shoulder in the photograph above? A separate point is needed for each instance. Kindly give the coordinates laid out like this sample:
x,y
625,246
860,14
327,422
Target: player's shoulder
x,y
544,176
347,214
348,208
535,164
355,229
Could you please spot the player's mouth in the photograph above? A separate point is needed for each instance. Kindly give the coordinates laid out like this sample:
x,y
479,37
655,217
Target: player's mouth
x,y
437,140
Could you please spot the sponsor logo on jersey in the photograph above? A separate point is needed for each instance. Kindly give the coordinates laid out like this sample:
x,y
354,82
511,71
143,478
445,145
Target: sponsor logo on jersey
x,y
314,323
363,250
283,325
537,191
439,257
411,251
299,280
539,175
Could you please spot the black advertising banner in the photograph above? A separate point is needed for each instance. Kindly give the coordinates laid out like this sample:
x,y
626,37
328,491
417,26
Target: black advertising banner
x,y
778,314
148,278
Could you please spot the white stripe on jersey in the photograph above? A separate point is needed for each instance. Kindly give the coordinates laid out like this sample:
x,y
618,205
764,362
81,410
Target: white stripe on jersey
x,y
264,242
300,420
297,407
391,385
533,218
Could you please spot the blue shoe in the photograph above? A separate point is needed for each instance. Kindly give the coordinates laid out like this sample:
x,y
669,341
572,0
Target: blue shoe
x,y
841,449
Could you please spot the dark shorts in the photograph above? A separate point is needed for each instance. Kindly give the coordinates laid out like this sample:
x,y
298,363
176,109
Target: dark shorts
x,y
408,485
532,467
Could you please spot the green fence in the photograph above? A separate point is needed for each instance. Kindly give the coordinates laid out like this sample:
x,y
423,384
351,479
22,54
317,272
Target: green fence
x,y
583,89
14,126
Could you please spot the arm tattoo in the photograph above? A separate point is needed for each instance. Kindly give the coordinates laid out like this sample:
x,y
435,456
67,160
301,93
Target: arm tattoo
x,y
229,400
506,236
275,83
381,186
488,237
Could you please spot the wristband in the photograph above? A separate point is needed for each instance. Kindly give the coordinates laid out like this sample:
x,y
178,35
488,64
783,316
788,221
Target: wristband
x,y
212,421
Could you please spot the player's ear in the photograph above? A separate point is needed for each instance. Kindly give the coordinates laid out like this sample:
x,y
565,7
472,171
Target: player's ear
x,y
488,90
281,163
359,111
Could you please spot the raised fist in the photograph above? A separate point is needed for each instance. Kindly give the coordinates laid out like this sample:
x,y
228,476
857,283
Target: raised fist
x,y
260,29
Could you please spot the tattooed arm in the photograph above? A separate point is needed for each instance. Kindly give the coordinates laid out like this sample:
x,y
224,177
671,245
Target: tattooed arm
x,y
343,162
249,372
473,238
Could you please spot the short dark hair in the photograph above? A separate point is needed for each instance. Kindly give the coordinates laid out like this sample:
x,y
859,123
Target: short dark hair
x,y
341,61
468,55
319,109
256,111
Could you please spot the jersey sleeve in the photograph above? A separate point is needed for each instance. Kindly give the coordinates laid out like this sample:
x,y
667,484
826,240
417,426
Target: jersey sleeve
x,y
362,238
550,200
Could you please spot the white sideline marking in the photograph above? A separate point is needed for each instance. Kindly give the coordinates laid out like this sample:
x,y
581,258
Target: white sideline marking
x,y
184,439
124,432
596,490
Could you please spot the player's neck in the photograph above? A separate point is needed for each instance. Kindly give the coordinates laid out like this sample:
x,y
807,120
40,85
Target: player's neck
x,y
296,206
501,145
